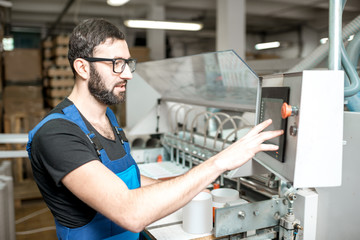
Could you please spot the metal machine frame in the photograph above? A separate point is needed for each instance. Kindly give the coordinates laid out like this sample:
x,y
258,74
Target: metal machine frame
x,y
281,197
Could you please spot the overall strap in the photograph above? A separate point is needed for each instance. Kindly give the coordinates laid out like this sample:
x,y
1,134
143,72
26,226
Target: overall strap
x,y
74,115
121,135
112,117
38,126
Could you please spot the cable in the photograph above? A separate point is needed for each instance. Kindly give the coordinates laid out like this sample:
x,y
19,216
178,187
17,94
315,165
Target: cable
x,y
169,115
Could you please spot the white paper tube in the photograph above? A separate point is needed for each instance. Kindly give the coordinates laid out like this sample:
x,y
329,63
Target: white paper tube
x,y
224,195
197,214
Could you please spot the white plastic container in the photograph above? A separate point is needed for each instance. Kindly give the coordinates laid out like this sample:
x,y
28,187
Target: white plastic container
x,y
197,214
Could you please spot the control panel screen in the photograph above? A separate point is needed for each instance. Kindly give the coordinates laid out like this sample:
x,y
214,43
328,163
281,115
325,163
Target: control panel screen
x,y
272,99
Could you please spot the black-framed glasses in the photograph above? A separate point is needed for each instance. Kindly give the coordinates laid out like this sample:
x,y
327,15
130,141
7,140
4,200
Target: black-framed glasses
x,y
118,63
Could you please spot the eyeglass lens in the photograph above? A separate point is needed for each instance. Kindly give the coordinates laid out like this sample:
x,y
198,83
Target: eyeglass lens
x,y
119,65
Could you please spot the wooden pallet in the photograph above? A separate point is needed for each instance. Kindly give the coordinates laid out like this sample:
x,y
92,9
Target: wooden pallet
x,y
61,40
52,102
62,61
60,92
24,185
60,82
24,191
60,51
62,72
21,122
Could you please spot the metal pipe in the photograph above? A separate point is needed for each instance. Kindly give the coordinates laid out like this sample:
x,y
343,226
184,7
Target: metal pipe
x,y
241,119
186,120
176,117
335,38
169,116
319,54
61,15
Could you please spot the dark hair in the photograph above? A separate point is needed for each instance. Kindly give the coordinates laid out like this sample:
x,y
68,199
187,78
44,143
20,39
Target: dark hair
x,y
89,34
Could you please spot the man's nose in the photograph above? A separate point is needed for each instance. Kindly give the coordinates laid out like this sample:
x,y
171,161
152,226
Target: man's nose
x,y
126,74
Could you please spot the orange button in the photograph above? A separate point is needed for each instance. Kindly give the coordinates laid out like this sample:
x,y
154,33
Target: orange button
x,y
286,110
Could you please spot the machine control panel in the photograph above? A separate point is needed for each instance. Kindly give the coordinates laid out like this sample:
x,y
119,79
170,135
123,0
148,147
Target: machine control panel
x,y
310,150
309,154
272,101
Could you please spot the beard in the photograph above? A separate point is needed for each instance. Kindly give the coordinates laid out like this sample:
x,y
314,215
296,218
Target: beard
x,y
98,90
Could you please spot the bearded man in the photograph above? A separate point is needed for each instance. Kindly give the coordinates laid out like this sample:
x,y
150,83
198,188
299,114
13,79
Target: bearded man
x,y
81,158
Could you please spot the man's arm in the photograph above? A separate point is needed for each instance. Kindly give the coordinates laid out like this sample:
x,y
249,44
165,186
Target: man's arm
x,y
145,181
134,209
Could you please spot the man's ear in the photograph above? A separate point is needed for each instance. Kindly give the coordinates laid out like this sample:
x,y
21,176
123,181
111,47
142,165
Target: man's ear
x,y
82,68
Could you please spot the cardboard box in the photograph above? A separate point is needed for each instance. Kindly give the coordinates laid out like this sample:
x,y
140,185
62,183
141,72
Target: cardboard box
x,y
22,65
61,40
47,43
60,51
23,99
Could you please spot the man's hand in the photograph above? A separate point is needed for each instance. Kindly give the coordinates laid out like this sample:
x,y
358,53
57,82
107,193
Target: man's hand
x,y
245,149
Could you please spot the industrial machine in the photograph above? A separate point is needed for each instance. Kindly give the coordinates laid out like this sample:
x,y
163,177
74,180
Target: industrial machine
x,y
198,105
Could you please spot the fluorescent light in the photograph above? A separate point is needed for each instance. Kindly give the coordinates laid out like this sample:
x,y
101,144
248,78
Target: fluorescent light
x,y
8,43
116,3
165,25
267,45
324,40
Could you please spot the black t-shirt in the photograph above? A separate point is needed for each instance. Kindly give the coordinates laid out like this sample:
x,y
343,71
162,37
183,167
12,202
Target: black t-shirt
x,y
58,148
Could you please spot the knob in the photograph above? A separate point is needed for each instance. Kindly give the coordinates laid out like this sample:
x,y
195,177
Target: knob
x,y
293,130
288,110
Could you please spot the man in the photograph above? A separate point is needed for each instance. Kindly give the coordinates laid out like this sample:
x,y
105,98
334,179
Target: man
x,y
81,159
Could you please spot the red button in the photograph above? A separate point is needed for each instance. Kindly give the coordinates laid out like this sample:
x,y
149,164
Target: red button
x,y
286,110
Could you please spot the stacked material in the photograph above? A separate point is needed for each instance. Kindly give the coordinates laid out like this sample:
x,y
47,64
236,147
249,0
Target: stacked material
x,y
59,78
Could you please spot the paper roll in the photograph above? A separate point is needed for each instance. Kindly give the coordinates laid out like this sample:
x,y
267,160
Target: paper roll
x,y
197,214
224,195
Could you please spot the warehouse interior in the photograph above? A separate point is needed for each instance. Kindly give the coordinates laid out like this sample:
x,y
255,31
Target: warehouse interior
x,y
172,70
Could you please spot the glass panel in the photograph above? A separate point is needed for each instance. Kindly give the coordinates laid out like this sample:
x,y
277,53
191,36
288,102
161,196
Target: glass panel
x,y
220,79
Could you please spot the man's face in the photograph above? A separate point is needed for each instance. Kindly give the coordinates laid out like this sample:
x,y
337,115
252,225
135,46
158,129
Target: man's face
x,y
104,85
98,89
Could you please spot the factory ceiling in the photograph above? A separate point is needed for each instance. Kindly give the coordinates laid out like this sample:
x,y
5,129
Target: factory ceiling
x,y
262,16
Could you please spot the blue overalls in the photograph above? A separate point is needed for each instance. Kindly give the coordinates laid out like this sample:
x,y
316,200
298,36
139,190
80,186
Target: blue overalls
x,y
99,227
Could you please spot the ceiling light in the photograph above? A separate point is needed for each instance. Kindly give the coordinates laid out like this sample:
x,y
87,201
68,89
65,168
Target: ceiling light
x,y
324,40
116,3
164,25
267,45
8,43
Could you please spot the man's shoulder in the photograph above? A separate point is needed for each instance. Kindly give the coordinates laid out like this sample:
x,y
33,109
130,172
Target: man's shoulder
x,y
58,123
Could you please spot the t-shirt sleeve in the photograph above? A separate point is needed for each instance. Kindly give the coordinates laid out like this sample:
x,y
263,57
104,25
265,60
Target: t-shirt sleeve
x,y
60,146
